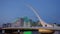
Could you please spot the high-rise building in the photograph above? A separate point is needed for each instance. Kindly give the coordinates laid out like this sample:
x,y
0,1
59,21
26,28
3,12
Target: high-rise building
x,y
27,22
31,22
6,25
9,24
19,22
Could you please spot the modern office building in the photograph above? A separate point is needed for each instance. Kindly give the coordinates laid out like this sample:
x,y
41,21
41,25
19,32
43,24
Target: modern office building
x,y
18,23
4,25
27,22
7,25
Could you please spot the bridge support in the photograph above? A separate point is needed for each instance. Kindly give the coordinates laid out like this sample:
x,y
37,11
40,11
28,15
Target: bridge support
x,y
18,31
3,31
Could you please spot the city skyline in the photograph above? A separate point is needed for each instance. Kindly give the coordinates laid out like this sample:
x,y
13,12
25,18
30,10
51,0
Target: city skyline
x,y
23,22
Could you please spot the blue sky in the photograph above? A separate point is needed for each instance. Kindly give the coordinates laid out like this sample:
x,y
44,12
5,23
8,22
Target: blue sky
x,y
49,10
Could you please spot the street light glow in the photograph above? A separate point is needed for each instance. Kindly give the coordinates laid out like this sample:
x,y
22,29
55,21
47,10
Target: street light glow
x,y
45,30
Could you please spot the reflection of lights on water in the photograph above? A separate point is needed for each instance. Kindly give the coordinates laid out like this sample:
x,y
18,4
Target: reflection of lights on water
x,y
45,31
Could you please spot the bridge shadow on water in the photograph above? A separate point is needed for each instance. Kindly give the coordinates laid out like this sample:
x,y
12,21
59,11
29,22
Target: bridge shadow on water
x,y
25,31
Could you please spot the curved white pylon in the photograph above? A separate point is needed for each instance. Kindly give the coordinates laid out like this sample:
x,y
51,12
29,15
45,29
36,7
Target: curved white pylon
x,y
41,21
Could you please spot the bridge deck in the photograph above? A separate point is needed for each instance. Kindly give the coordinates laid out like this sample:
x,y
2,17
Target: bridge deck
x,y
50,28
